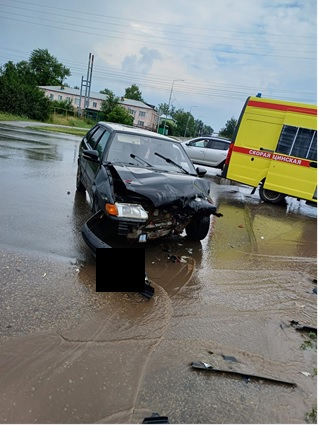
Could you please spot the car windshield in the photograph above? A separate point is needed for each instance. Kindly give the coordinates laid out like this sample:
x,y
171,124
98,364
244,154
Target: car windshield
x,y
138,150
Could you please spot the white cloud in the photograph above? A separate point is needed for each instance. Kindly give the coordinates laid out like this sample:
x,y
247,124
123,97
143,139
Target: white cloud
x,y
223,50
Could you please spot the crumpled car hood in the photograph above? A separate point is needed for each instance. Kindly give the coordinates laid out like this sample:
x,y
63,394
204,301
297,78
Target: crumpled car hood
x,y
162,187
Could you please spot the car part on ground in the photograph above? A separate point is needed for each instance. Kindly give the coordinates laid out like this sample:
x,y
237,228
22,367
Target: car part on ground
x,y
248,376
155,418
148,291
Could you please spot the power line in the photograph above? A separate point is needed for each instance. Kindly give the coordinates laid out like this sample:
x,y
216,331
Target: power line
x,y
218,49
156,23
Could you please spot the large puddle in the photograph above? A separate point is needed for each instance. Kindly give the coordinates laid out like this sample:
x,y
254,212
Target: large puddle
x,y
233,301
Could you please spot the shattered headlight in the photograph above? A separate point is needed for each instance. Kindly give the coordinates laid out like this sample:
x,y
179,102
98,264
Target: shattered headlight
x,y
126,210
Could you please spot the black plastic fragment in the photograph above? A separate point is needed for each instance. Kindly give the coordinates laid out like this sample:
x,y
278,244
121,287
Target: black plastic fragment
x,y
306,328
247,376
300,327
230,358
155,419
148,291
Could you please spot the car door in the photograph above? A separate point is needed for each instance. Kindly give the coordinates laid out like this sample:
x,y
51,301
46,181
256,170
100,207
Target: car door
x,y
90,143
196,150
216,152
93,167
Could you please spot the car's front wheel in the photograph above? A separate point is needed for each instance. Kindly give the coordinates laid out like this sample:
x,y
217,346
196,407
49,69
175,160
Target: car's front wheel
x,y
270,196
79,185
198,228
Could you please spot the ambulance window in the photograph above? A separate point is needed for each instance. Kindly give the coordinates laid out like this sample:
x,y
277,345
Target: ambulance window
x,y
286,140
298,142
302,143
312,153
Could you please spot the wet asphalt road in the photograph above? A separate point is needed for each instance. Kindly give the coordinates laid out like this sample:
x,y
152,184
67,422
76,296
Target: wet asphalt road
x,y
71,355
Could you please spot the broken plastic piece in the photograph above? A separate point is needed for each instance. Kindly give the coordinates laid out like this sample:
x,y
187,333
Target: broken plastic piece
x,y
173,258
155,419
247,376
142,238
230,358
148,291
306,329
300,327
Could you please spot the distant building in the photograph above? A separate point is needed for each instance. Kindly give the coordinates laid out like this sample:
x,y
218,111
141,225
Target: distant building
x,y
144,114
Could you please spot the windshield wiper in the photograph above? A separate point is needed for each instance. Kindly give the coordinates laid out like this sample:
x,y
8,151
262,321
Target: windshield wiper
x,y
140,159
170,161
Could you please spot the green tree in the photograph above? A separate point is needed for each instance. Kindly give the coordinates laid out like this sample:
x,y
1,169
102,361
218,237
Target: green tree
x,y
229,128
62,106
182,119
134,93
120,115
19,93
109,103
166,109
47,69
107,92
169,111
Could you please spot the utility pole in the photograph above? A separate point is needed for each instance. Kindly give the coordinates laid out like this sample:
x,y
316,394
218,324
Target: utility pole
x,y
87,84
189,115
169,103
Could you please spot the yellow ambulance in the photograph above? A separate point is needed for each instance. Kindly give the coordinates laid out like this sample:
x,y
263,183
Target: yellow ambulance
x,y
274,147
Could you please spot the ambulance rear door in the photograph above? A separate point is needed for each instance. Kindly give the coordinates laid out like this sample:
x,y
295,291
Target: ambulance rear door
x,y
293,167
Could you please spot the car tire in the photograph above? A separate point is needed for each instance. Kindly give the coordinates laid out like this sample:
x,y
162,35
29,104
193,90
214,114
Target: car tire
x,y
270,196
198,228
221,165
79,185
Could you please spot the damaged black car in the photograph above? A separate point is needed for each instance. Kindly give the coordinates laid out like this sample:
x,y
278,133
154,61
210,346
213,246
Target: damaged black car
x,y
142,186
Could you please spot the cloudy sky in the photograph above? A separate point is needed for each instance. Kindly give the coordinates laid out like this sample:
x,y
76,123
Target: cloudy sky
x,y
206,56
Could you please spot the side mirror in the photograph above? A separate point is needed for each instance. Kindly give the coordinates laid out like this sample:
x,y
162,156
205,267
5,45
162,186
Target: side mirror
x,y
91,155
201,171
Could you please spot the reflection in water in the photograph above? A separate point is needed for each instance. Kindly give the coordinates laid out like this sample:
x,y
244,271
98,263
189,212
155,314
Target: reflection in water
x,y
259,229
34,145
171,263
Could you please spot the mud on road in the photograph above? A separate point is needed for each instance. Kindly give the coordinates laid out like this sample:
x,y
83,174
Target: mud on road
x,y
71,355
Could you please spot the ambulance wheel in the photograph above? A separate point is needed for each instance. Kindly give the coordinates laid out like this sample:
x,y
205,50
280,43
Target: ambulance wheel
x,y
198,228
270,196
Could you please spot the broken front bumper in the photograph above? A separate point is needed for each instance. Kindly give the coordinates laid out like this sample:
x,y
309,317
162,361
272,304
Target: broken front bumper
x,y
93,234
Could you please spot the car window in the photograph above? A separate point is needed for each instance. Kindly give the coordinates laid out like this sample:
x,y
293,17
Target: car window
x,y
199,143
218,145
95,137
90,132
102,143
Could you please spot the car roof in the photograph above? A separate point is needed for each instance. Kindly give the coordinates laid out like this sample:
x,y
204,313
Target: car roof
x,y
137,130
222,139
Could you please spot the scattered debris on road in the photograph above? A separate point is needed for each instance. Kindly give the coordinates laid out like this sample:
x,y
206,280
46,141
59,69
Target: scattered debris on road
x,y
155,419
209,368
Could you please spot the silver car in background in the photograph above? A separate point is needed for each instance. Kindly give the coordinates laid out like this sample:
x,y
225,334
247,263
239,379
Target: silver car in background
x,y
207,150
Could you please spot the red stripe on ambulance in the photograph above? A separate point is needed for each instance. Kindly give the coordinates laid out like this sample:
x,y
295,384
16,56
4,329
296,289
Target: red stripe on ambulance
x,y
272,156
282,107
